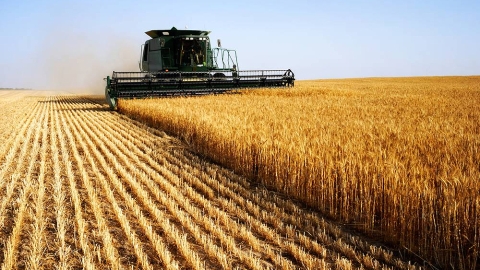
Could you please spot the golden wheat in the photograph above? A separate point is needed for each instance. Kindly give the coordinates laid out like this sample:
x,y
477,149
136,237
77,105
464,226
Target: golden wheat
x,y
394,157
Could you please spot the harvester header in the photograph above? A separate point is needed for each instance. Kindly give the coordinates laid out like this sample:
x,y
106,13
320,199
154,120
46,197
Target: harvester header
x,y
183,62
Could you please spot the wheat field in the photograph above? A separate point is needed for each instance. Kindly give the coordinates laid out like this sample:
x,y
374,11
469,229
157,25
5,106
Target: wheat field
x,y
396,158
82,187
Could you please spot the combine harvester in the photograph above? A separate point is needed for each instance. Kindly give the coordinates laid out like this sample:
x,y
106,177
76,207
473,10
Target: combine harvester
x,y
182,62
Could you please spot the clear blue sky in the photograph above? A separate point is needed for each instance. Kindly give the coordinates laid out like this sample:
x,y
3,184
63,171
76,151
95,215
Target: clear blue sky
x,y
74,44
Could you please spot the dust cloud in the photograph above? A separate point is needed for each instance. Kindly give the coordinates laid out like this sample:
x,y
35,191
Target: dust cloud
x,y
77,62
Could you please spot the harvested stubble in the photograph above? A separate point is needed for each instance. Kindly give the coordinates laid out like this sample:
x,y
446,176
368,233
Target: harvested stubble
x,y
395,157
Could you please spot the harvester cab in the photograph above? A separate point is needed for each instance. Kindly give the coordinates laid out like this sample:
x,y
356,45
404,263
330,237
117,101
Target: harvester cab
x,y
183,50
182,62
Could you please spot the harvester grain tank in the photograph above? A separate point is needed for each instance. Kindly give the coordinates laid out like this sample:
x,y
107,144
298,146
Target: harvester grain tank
x,y
183,62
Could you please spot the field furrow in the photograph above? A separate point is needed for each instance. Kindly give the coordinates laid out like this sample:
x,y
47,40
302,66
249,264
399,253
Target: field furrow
x,y
86,188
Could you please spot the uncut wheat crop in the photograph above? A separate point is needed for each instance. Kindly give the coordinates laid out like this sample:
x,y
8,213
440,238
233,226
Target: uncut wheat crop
x,y
395,158
82,187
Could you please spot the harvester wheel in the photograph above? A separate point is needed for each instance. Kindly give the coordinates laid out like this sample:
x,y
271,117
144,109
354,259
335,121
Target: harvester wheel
x,y
112,101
